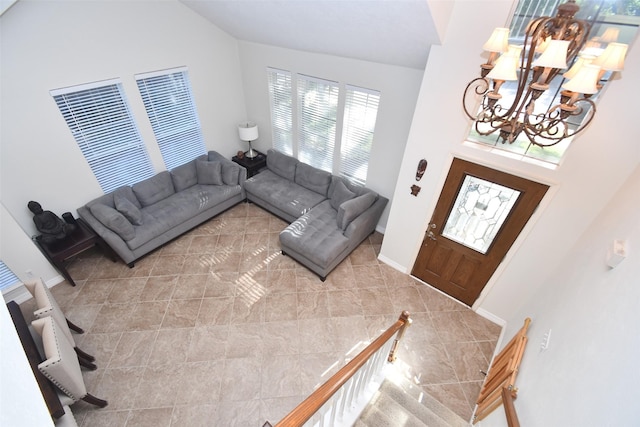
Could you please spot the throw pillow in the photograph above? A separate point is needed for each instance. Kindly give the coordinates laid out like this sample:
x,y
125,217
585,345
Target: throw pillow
x,y
340,195
209,173
113,220
128,209
230,173
184,176
351,209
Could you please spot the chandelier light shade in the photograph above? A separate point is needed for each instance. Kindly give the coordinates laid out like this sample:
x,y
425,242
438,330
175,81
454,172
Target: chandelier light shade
x,y
551,46
612,59
248,132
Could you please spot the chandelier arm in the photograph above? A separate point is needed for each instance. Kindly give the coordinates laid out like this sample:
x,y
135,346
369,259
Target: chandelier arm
x,y
553,119
480,86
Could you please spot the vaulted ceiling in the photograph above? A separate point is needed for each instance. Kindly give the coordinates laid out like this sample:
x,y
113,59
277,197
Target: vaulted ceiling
x,y
396,32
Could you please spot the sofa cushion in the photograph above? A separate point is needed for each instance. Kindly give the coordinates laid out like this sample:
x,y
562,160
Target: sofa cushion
x,y
285,195
316,236
209,173
154,189
313,178
230,173
340,195
113,220
128,209
184,176
351,209
282,165
179,208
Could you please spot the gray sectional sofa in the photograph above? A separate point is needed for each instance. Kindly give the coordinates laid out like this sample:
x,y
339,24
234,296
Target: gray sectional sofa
x,y
135,220
329,216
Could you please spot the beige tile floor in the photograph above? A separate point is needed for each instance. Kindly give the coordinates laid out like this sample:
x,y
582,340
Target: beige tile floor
x,y
218,328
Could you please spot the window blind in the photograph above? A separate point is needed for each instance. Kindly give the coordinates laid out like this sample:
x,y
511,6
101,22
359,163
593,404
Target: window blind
x,y
172,112
281,109
360,113
317,104
100,121
7,278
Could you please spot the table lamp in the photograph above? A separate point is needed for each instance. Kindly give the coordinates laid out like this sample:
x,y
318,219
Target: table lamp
x,y
248,131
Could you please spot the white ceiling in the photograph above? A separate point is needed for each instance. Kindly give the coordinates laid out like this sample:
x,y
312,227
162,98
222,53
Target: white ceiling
x,y
396,32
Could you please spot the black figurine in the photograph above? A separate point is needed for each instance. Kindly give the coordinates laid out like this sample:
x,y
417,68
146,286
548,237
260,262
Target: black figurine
x,y
49,224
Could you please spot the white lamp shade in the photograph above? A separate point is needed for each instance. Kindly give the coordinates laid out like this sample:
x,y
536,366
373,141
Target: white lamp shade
x,y
612,59
541,47
554,56
498,42
609,35
505,68
580,62
585,80
248,131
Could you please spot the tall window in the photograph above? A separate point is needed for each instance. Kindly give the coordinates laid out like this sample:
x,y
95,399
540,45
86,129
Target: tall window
x,y
317,110
101,123
172,112
323,123
360,112
281,109
7,278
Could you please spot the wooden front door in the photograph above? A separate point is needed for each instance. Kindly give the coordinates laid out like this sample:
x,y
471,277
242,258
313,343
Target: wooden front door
x,y
479,214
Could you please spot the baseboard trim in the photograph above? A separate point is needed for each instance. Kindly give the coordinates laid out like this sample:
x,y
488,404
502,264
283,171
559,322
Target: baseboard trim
x,y
391,263
492,317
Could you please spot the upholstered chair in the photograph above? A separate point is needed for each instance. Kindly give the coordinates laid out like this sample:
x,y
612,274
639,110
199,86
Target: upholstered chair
x,y
61,364
47,306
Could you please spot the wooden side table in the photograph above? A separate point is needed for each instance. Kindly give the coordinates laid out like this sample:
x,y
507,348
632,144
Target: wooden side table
x,y
60,251
254,165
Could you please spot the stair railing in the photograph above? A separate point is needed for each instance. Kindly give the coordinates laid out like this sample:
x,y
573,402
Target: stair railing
x,y
502,376
336,399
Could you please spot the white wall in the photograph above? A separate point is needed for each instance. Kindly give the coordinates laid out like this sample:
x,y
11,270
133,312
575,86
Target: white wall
x,y
589,373
597,164
49,45
399,88
21,403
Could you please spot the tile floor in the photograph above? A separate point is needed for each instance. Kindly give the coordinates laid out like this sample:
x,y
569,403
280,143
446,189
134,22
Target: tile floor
x,y
218,328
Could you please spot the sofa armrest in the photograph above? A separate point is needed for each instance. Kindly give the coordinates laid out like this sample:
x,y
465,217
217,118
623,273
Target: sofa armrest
x,y
366,223
112,239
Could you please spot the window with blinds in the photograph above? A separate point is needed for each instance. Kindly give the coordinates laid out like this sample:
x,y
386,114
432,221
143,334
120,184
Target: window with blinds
x,y
173,115
317,112
309,119
7,278
100,121
281,110
360,113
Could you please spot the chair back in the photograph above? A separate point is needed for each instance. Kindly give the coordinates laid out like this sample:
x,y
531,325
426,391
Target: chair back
x,y
48,306
61,364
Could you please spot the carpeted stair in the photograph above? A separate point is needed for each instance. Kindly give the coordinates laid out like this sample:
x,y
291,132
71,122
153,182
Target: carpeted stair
x,y
401,405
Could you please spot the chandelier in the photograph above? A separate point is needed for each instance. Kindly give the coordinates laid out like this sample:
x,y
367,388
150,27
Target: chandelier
x,y
550,44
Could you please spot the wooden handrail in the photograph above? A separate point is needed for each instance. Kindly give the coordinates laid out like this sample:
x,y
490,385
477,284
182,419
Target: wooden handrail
x,y
502,374
305,410
508,396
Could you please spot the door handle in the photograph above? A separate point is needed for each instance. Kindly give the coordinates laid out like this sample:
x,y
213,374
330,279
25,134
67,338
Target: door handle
x,y
429,232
